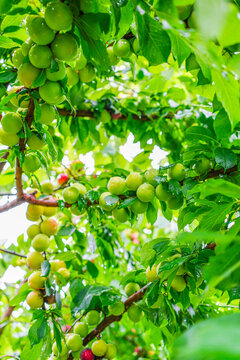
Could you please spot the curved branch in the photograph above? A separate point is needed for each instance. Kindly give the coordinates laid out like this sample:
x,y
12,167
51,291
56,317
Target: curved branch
x,y
2,164
110,319
12,253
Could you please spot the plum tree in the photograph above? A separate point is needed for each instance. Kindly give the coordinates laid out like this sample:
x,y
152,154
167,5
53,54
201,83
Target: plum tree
x,y
51,93
35,300
34,260
17,58
70,194
39,32
65,47
99,348
27,73
11,123
36,281
145,192
111,352
131,288
135,314
49,227
134,180
40,242
139,207
116,185
122,48
177,172
31,163
93,317
74,342
40,56
81,329
35,142
33,230
87,74
178,283
161,193
58,16
117,308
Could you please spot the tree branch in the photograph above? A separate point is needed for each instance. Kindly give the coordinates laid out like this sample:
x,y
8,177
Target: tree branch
x,y
2,164
12,253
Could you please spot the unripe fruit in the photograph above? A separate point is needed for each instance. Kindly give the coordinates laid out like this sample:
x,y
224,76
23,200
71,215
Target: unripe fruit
x,y
136,46
105,116
145,192
81,61
81,329
47,114
116,185
70,194
40,56
64,272
27,73
139,207
184,11
35,300
51,93
131,288
81,188
202,166
111,352
17,58
49,227
103,204
93,317
62,179
31,163
174,203
99,348
34,212
112,57
161,193
49,211
117,308
74,342
26,46
178,283
33,230
35,142
58,16
58,74
64,47
135,314
150,175
8,139
121,215
152,273
39,32
55,265
134,180
177,172
47,188
36,281
76,355
122,48
72,77
40,242
64,349
181,270
34,260
17,99
87,354
87,74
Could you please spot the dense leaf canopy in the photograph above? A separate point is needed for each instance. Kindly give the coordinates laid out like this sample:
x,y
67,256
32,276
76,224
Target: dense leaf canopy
x,y
127,255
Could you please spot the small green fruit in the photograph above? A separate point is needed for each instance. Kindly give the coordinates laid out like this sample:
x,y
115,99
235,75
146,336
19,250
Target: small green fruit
x,y
103,203
70,194
27,73
8,139
74,342
203,166
47,188
35,142
11,123
17,58
93,317
31,163
81,188
34,260
116,185
33,230
131,288
36,281
58,16
64,348
174,204
121,215
49,227
72,76
65,47
81,329
35,300
135,314
40,56
117,308
26,46
39,32
122,48
161,193
134,180
114,60
145,192
40,242
152,273
177,172
111,352
58,74
150,175
139,207
65,273
178,283
87,74
99,348
51,93
47,114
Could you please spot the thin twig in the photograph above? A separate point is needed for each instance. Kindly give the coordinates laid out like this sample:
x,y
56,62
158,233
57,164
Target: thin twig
x,y
78,319
12,253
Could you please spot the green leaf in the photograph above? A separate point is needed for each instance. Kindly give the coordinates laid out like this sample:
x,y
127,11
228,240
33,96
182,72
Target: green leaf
x,y
66,230
37,331
7,76
21,296
30,352
125,203
92,269
40,79
216,186
154,41
194,133
7,43
45,268
92,195
222,125
215,218
225,157
67,256
230,32
152,213
51,147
